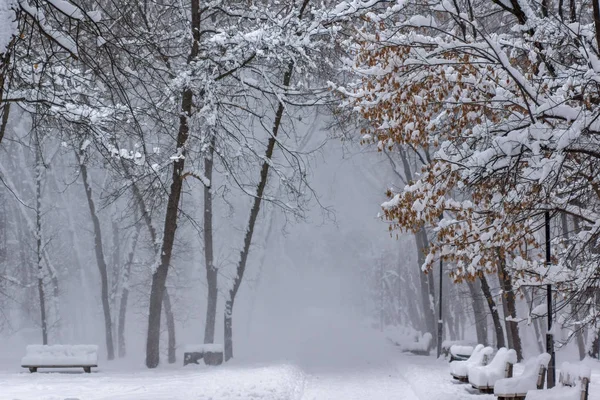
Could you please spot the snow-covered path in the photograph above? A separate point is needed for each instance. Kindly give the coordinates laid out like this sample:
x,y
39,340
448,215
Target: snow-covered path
x,y
401,377
377,383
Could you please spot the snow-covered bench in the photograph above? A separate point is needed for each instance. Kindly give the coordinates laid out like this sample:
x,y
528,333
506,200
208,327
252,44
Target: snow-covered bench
x,y
532,378
60,356
483,378
211,353
460,353
447,344
573,384
460,369
421,347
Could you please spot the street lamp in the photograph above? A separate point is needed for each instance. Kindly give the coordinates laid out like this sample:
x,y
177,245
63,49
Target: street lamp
x,y
440,320
549,336
440,323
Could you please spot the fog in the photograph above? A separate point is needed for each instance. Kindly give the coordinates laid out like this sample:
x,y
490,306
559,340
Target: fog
x,y
306,294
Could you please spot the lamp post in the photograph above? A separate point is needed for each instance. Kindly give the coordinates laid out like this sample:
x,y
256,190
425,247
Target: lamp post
x,y
549,336
440,323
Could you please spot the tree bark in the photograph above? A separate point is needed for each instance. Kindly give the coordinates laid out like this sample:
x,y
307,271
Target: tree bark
x,y
117,272
480,316
125,294
171,348
487,293
4,85
510,301
264,173
538,334
100,259
39,244
596,11
425,280
511,309
211,271
159,277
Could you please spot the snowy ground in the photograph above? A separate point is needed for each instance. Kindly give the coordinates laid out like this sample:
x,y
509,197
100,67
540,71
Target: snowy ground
x,y
396,376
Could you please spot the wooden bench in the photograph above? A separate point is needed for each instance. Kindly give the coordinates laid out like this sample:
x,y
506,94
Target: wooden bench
x,y
483,378
460,369
60,356
460,353
533,377
421,347
211,353
573,384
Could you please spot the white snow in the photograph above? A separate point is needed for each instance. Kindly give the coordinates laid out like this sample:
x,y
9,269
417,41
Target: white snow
x,y
523,383
382,373
556,393
8,23
67,8
571,374
478,357
486,376
458,350
57,355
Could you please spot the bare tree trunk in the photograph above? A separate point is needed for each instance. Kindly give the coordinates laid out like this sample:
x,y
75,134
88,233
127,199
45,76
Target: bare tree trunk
x,y
39,244
574,312
487,293
159,277
100,259
536,327
510,300
479,313
211,270
4,85
121,324
117,273
264,173
425,280
125,293
596,10
171,348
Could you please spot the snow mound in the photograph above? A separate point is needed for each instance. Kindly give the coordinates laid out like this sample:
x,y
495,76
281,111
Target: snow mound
x,y
525,382
478,357
487,376
60,355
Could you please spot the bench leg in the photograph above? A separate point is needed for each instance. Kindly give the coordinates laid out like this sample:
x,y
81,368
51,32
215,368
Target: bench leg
x,y
32,369
87,369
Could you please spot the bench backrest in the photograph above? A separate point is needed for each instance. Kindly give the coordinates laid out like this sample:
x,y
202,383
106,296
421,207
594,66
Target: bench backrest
x,y
458,350
574,375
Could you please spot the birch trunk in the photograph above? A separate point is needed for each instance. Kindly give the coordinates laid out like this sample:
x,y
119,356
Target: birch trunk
x,y
39,244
